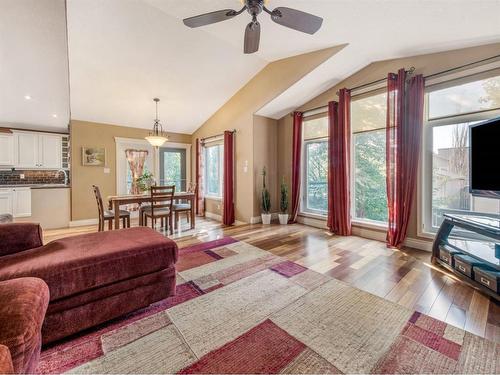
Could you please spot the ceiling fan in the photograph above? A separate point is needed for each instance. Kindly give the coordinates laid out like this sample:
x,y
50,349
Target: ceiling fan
x,y
292,18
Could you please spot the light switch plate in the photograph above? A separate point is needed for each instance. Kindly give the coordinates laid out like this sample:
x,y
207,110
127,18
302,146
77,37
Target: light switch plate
x,y
107,170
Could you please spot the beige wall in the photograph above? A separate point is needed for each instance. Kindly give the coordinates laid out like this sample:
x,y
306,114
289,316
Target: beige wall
x,y
424,64
265,137
238,113
83,205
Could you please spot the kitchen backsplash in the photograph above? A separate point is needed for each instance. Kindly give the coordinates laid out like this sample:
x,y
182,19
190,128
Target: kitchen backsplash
x,y
31,177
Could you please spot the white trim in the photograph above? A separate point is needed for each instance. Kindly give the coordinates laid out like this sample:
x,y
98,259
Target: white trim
x,y
83,223
312,221
370,224
369,233
418,244
213,216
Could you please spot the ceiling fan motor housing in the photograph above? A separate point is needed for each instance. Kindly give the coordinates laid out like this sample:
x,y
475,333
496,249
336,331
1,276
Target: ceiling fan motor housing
x,y
254,7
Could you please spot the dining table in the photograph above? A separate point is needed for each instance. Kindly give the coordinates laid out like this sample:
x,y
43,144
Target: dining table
x,y
115,201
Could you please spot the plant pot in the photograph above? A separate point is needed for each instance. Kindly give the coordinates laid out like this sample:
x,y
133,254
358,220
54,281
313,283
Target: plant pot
x,y
266,218
283,219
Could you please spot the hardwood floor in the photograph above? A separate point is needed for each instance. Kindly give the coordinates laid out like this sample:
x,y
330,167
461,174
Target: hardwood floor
x,y
405,277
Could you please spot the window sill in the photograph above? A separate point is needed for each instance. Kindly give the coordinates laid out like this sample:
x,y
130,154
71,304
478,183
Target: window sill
x,y
313,215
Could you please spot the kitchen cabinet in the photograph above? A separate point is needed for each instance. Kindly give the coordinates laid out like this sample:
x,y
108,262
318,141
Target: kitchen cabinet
x,y
6,150
50,151
21,202
16,201
38,150
26,150
6,201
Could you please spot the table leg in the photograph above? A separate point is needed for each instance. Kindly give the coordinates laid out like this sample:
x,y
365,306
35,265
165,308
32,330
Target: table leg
x,y
140,215
117,214
193,216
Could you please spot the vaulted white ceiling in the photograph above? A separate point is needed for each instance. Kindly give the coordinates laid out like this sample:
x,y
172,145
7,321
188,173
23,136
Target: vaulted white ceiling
x,y
34,90
123,53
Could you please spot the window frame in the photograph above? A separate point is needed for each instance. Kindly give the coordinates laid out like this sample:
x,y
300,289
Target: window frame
x,y
425,174
303,210
220,146
375,224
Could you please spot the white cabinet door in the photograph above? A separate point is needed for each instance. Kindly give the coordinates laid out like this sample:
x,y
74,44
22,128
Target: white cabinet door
x,y
27,150
21,202
5,201
6,149
50,151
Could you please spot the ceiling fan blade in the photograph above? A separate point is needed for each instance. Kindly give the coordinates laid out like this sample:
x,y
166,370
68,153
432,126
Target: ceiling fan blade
x,y
209,18
297,20
252,37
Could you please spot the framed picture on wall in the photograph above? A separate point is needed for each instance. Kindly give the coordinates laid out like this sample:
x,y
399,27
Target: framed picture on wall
x,y
94,156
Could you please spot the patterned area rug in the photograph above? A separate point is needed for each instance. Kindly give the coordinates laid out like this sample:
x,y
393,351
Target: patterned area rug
x,y
239,309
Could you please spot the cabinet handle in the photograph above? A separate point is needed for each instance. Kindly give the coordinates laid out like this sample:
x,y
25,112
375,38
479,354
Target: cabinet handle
x,y
461,268
485,281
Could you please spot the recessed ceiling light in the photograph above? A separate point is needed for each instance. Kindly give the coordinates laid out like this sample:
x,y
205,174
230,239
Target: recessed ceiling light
x,y
27,97
54,115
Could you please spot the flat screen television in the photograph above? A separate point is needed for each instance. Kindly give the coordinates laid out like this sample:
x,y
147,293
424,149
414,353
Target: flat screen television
x,y
484,163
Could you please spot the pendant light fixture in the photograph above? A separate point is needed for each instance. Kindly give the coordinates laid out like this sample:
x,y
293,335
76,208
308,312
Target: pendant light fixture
x,y
157,137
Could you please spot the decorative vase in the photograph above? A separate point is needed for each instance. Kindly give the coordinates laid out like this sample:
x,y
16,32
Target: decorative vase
x,y
266,218
283,219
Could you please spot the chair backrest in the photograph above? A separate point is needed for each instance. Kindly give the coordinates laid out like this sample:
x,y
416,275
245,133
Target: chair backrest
x,y
98,198
162,197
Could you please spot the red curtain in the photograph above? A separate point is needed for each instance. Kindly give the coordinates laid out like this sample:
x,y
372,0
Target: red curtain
x,y
228,203
403,136
199,190
339,161
296,162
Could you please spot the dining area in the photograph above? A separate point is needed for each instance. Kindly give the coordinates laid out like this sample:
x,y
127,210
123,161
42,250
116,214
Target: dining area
x,y
161,205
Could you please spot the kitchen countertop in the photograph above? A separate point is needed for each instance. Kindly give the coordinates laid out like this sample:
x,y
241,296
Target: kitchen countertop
x,y
37,186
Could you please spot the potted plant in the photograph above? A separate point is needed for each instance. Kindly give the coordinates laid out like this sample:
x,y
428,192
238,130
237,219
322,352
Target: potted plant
x,y
266,200
144,181
283,215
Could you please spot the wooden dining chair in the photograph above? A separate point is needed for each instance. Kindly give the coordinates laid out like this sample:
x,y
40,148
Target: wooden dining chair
x,y
162,199
108,215
183,206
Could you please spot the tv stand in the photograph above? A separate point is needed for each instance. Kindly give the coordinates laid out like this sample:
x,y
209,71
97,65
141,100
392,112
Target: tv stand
x,y
480,239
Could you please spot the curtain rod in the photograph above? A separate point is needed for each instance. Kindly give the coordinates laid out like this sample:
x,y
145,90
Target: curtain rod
x,y
411,70
216,135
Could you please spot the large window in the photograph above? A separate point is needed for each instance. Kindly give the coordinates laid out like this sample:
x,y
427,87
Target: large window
x,y
214,156
368,185
315,166
450,109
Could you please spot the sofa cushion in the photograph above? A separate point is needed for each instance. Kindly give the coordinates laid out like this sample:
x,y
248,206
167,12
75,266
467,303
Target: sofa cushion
x,y
23,303
81,263
5,361
17,237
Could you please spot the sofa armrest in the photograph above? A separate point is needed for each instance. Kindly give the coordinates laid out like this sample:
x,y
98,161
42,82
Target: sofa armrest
x,y
5,361
17,237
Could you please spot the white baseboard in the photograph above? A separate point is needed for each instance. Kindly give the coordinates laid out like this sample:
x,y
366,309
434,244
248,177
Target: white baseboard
x,y
419,244
313,222
371,234
82,223
213,216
